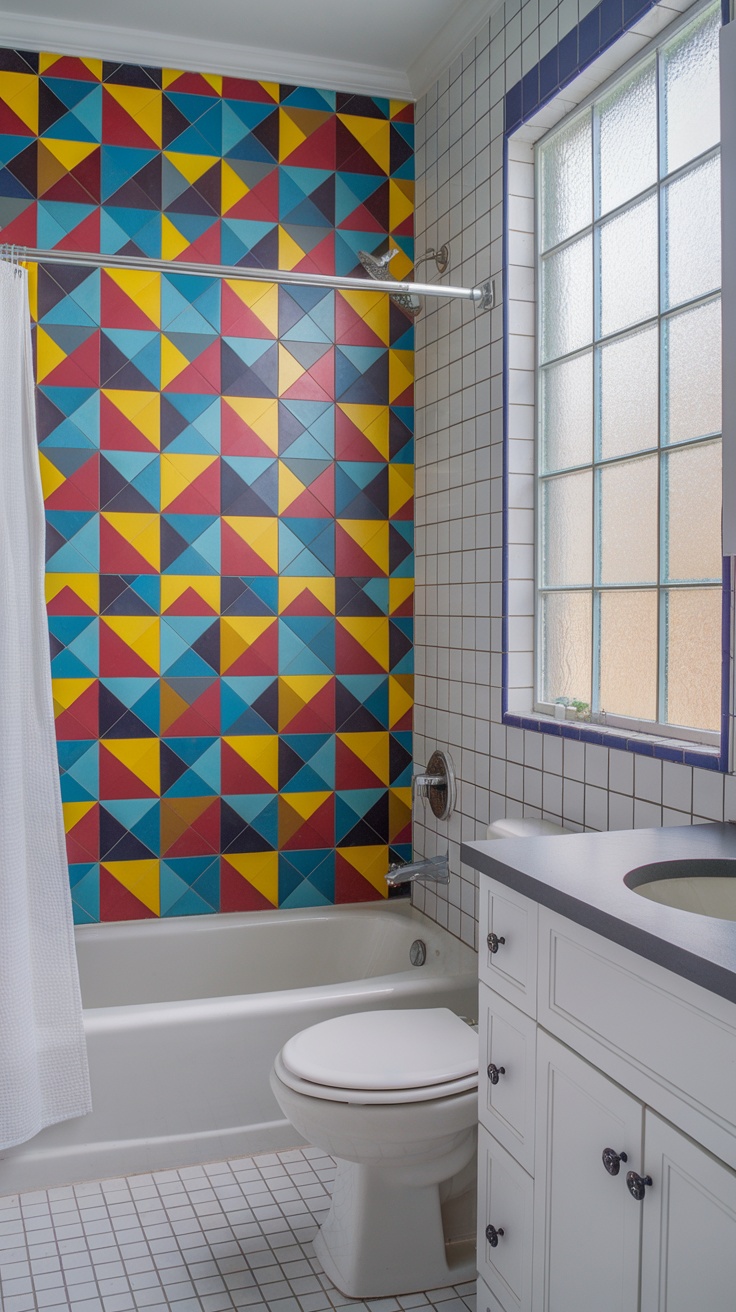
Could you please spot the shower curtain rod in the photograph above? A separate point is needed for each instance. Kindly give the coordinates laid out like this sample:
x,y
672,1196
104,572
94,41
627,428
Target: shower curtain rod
x,y
481,296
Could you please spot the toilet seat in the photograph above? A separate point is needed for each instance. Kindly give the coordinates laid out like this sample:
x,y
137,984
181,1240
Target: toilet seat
x,y
380,1057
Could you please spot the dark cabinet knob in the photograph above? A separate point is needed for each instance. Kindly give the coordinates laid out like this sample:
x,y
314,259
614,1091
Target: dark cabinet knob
x,y
612,1160
494,942
494,1072
636,1184
493,1235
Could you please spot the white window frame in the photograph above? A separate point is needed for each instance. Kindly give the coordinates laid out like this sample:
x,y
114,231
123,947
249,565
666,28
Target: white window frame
x,y
520,484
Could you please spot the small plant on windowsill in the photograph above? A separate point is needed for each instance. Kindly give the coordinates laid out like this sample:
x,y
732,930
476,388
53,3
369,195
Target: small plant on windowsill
x,y
572,709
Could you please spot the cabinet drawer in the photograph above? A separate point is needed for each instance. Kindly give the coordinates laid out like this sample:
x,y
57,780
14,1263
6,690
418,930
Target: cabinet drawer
x,y
507,1040
505,1201
669,1041
512,969
485,1300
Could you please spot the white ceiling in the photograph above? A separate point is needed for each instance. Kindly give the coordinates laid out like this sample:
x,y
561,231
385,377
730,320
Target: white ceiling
x,y
382,47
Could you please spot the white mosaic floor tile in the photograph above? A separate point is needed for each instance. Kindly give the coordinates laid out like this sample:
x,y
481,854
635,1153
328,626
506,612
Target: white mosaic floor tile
x,y
226,1237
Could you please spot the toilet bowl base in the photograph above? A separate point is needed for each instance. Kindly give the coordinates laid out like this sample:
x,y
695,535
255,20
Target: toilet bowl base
x,y
382,1237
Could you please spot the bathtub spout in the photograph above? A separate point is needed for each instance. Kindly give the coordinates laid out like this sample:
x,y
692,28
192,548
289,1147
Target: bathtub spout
x,y
435,868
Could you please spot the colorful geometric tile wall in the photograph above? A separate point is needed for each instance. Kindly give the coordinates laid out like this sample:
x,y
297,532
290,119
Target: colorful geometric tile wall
x,y
227,469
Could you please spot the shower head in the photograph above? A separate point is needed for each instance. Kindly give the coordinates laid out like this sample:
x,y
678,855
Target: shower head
x,y
377,267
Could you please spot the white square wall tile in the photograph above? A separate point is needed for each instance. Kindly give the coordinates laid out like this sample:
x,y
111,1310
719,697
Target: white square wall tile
x,y
708,794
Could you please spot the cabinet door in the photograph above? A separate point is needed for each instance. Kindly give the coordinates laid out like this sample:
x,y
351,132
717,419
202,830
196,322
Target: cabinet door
x,y
689,1235
505,1203
587,1227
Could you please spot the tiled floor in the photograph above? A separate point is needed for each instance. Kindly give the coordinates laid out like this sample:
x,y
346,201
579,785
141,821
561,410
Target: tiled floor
x,y
202,1239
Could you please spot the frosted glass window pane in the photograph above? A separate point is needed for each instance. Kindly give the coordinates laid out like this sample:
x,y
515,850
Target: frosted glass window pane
x,y
567,299
691,91
628,522
693,494
628,139
629,393
628,654
692,373
567,183
567,524
566,646
628,261
694,657
693,218
567,413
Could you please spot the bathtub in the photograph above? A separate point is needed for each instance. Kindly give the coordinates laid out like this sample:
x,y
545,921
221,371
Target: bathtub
x,y
184,1017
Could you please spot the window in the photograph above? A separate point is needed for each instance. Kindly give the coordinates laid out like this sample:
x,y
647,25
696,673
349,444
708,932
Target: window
x,y
628,406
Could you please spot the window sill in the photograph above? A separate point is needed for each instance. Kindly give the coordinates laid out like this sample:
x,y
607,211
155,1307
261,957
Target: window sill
x,y
664,749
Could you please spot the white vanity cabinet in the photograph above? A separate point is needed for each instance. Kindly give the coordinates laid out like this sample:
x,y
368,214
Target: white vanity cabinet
x,y
608,1054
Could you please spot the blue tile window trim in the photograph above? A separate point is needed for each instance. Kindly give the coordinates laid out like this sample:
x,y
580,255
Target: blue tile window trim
x,y
579,48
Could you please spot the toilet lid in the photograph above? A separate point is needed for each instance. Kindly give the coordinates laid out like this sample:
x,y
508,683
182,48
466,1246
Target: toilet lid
x,y
375,1097
387,1050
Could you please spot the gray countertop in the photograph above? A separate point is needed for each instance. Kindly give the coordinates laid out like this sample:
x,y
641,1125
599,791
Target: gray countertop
x,y
581,876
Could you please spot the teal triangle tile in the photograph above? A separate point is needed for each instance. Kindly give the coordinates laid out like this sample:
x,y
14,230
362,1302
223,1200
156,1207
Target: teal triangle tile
x,y
308,235
239,378
71,314
305,895
129,692
290,879
237,698
308,218
308,447
308,98
248,596
187,665
189,561
85,881
188,784
241,236
295,657
171,888
317,632
191,321
297,184
305,564
80,554
305,780
187,903
129,595
56,219
11,146
84,768
306,330
66,665
251,113
122,226
249,823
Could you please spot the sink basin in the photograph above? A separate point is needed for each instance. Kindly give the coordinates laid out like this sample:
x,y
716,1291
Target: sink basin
x,y
704,887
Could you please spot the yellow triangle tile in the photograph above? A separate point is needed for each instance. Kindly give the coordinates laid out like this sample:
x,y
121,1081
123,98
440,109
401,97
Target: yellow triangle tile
x,y
304,686
142,409
178,472
261,753
373,422
191,167
261,869
20,90
140,756
173,361
84,586
143,288
374,135
397,107
290,134
372,537
372,748
272,89
289,253
290,370
260,415
305,804
69,153
262,299
363,302
74,812
140,633
48,355
260,533
290,487
214,80
232,187
144,106
400,697
142,531
370,862
400,203
400,372
94,66
402,268
400,487
31,269
237,634
67,691
398,592
371,633
172,242
173,586
291,587
51,477
141,878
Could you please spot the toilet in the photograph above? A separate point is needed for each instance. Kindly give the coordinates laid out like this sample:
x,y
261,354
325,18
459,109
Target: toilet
x,y
393,1096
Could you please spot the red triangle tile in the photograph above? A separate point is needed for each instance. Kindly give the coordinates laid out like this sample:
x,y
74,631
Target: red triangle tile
x,y
350,886
350,443
238,557
23,231
318,716
351,330
238,776
189,603
317,831
119,128
261,203
201,719
83,841
236,894
85,237
238,438
318,150
119,661
82,367
117,310
80,491
67,602
81,719
350,657
262,657
350,560
351,772
118,556
117,781
202,497
116,903
117,433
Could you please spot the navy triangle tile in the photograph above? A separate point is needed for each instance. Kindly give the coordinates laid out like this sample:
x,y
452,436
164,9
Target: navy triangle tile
x,y
249,596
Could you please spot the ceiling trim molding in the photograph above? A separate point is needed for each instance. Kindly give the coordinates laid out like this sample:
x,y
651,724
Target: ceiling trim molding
x,y
166,50
450,41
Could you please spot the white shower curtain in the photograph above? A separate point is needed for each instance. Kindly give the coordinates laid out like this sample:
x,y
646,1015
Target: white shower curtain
x,y
43,1060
